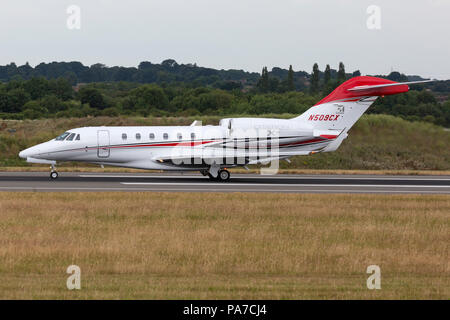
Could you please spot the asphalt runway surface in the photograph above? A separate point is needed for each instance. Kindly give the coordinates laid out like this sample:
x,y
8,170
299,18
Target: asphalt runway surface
x,y
192,182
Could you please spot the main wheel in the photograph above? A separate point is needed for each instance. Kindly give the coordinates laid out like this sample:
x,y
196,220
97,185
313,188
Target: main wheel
x,y
224,175
53,175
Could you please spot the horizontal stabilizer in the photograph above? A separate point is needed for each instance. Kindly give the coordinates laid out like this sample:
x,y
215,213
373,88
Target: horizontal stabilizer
x,y
384,85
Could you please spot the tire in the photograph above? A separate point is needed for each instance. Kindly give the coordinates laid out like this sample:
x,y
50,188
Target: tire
x,y
224,175
53,175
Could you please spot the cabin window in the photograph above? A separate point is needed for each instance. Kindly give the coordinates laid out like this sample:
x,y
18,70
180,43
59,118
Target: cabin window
x,y
63,136
179,136
138,136
192,135
124,136
165,136
78,137
152,136
70,138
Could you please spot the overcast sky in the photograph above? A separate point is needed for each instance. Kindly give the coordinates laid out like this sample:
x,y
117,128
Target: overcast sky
x,y
232,34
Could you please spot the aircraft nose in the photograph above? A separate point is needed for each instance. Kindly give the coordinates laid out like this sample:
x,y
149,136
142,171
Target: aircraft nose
x,y
23,154
28,152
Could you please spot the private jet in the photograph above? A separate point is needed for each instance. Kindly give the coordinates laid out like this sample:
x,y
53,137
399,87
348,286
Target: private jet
x,y
213,149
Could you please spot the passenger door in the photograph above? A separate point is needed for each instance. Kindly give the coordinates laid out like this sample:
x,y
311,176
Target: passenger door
x,y
103,143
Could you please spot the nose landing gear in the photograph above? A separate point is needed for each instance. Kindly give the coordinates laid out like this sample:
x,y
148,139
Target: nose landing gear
x,y
53,173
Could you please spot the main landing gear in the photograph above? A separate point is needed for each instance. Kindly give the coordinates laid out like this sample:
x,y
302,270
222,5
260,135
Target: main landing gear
x,y
222,175
53,173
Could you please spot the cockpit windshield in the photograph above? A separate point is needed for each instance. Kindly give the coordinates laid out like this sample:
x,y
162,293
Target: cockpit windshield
x,y
62,137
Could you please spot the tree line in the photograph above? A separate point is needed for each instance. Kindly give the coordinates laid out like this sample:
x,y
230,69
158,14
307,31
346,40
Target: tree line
x,y
39,97
169,71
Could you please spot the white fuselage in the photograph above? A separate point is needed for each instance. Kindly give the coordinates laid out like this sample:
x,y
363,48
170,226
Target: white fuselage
x,y
241,141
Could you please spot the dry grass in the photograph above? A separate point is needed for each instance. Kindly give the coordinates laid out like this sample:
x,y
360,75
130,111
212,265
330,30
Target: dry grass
x,y
183,246
93,168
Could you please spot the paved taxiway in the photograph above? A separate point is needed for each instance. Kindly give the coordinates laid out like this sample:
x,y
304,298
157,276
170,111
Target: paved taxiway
x,y
191,182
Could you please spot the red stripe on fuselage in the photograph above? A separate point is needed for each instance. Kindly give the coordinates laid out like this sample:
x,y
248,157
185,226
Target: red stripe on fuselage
x,y
302,142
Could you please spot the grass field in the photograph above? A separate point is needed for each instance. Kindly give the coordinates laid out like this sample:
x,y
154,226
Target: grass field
x,y
222,246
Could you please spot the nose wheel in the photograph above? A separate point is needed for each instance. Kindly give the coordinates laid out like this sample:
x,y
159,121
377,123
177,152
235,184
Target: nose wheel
x,y
53,173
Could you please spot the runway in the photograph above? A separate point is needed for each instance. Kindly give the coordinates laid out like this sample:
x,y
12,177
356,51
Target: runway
x,y
191,182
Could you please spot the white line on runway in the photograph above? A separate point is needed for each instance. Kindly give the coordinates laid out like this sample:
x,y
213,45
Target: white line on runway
x,y
282,185
219,190
263,177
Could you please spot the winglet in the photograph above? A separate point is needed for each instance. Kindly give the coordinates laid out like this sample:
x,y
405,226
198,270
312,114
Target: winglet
x,y
196,123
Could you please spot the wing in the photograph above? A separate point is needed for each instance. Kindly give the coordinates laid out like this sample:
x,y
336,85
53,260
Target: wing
x,y
210,155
